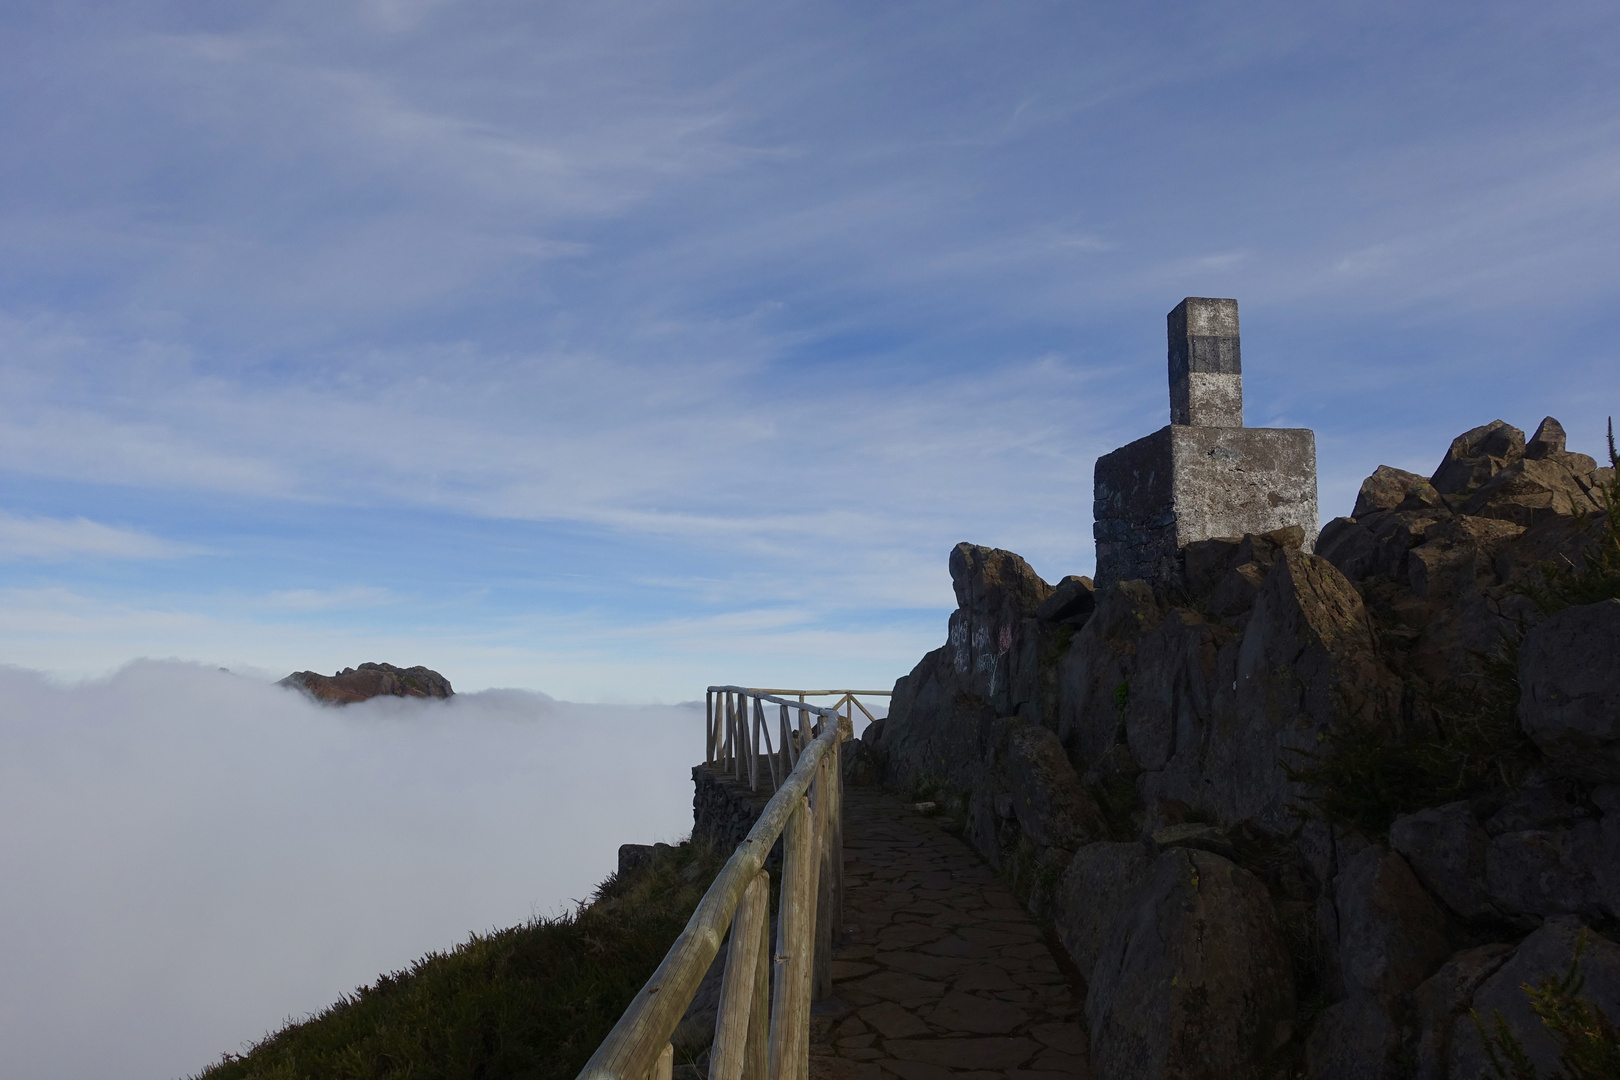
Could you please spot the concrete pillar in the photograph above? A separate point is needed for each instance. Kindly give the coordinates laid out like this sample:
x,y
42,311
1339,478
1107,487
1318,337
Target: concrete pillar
x,y
1206,364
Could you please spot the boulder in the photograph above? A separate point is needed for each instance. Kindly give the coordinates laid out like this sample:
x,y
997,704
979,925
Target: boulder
x,y
1457,557
1097,888
1442,998
1235,593
1072,600
1395,534
862,764
1053,810
993,655
1306,664
1205,562
1349,546
1531,491
1569,686
1544,851
1548,440
369,681
1093,677
1547,952
932,731
1193,979
1391,936
1194,834
1446,847
1548,444
1548,872
1170,699
636,857
1540,803
1476,456
1386,489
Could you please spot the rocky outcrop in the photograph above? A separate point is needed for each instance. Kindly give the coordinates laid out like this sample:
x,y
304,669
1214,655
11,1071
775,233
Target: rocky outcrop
x,y
1193,979
1144,763
1098,887
369,681
1391,936
1570,690
1550,848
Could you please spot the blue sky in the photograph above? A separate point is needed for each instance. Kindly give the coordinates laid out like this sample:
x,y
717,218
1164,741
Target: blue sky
x,y
614,349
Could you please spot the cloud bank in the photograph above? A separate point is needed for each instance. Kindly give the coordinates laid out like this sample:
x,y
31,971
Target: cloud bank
x,y
192,856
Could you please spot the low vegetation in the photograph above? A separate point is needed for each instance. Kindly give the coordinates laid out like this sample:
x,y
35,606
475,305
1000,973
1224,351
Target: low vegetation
x,y
530,1002
1470,742
1588,1046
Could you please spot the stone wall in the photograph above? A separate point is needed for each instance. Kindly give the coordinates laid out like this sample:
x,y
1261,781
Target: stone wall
x,y
723,809
1180,485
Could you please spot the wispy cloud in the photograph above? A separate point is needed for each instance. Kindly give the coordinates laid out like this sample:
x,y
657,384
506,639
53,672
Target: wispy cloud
x,y
62,539
353,596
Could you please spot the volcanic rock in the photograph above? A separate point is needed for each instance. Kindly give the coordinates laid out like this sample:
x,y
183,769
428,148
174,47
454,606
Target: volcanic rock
x,y
1570,690
1194,979
369,681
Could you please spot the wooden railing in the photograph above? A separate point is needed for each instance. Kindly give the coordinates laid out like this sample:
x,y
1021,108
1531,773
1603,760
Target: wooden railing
x,y
762,1029
735,738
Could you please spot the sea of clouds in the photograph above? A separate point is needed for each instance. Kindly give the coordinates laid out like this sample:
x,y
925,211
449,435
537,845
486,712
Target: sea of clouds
x,y
191,857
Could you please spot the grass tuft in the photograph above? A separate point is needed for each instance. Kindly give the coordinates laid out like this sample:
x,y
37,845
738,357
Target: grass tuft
x,y
532,1002
1588,1045
1365,777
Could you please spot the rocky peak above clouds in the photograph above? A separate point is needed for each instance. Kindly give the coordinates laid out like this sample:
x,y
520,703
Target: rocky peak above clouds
x,y
369,681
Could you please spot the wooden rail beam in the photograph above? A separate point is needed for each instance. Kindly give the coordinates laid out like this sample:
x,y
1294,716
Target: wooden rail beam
x,y
633,1046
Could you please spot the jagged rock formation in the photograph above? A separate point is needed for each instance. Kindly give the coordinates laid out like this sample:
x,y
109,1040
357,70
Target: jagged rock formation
x,y
1295,813
369,681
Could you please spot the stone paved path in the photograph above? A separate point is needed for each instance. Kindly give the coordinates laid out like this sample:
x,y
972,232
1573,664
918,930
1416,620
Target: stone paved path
x,y
943,975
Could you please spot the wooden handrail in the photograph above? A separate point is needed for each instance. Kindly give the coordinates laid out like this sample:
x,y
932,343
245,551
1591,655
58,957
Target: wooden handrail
x,y
735,728
804,693
804,811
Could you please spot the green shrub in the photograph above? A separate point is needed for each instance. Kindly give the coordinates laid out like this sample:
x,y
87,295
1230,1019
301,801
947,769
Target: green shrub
x,y
1365,777
533,1001
1588,1048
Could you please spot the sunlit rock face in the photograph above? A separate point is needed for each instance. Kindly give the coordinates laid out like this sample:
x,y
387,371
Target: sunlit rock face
x,y
369,681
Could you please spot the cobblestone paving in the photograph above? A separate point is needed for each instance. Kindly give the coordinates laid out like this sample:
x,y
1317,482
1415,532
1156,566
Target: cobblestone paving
x,y
942,974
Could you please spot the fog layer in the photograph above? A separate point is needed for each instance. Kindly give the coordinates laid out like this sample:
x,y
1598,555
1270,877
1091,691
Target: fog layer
x,y
192,857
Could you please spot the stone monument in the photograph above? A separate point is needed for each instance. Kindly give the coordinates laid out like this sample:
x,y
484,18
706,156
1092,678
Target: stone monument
x,y
1205,475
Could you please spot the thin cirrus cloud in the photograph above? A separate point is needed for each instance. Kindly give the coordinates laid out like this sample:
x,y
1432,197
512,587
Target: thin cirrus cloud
x,y
354,596
58,540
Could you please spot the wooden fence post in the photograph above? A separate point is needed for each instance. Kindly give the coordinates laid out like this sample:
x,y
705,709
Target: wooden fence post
x,y
731,735
790,1012
737,985
836,826
757,1058
824,784
664,1067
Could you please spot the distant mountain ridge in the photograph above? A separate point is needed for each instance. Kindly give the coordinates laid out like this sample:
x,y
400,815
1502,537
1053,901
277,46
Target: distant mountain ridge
x,y
369,681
